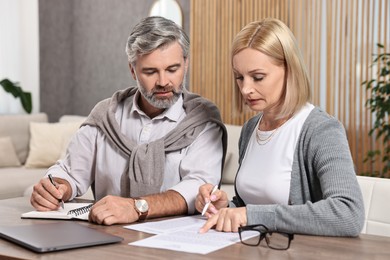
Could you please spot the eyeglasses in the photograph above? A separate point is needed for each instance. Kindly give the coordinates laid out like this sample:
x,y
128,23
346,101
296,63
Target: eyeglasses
x,y
253,234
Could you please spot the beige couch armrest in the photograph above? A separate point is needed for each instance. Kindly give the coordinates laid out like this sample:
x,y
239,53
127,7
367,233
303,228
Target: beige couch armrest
x,y
376,197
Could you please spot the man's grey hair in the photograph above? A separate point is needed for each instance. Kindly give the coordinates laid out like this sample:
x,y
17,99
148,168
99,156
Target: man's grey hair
x,y
152,33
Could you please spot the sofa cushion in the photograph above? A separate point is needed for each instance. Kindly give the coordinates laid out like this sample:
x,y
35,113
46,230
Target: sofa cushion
x,y
68,119
47,142
8,157
18,128
72,118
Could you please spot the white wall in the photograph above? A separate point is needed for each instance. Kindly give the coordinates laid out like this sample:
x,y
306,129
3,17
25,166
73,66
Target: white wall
x,y
19,51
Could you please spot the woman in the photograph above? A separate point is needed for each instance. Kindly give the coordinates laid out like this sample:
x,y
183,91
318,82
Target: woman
x,y
296,173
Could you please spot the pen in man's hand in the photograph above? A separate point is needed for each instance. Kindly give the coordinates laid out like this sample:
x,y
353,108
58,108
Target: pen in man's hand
x,y
52,182
208,203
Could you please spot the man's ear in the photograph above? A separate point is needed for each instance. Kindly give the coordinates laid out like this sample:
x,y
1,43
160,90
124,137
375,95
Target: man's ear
x,y
132,71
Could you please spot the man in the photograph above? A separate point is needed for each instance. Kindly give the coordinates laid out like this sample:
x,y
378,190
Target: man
x,y
146,150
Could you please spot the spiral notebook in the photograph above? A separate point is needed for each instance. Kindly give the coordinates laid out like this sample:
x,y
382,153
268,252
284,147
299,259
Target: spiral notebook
x,y
70,211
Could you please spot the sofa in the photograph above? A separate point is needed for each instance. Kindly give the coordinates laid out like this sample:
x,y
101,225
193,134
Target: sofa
x,y
29,144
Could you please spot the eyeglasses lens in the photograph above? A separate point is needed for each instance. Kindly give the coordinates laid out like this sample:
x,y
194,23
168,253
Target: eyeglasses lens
x,y
277,241
250,237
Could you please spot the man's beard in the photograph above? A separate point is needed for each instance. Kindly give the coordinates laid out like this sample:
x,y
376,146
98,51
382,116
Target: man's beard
x,y
162,103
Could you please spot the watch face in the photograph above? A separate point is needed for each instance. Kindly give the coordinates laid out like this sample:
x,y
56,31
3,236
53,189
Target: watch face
x,y
142,205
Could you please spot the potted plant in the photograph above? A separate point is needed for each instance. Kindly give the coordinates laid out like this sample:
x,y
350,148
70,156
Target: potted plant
x,y
17,92
379,105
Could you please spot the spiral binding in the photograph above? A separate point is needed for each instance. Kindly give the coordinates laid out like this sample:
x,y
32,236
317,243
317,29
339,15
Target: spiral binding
x,y
80,211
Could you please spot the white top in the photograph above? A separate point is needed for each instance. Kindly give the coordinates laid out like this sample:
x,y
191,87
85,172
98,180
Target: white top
x,y
91,158
265,172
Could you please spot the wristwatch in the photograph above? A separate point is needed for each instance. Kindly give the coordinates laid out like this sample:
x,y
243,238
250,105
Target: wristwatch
x,y
142,208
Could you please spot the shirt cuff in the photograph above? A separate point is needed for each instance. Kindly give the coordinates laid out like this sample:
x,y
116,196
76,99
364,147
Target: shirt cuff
x,y
188,189
57,172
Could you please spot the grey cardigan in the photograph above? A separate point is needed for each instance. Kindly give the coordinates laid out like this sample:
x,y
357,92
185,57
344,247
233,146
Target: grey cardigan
x,y
145,172
325,197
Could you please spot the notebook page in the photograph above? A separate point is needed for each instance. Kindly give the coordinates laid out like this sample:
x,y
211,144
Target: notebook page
x,y
60,213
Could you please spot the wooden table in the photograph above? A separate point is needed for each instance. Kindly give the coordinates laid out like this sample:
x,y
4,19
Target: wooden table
x,y
302,247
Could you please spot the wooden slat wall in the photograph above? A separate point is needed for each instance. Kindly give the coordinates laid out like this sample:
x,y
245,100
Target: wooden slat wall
x,y
346,31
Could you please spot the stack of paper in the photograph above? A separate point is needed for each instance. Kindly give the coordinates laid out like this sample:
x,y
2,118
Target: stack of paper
x,y
182,234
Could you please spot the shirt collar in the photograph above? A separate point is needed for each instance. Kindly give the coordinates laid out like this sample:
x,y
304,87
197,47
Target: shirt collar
x,y
173,113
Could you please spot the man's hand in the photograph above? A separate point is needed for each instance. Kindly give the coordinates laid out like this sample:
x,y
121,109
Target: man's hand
x,y
45,195
113,210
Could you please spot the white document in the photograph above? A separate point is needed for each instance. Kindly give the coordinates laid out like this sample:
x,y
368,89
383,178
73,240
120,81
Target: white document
x,y
182,234
170,225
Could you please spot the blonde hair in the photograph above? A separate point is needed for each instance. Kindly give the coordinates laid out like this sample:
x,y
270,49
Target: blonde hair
x,y
274,39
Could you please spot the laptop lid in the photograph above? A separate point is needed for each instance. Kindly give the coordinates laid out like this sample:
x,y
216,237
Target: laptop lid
x,y
48,237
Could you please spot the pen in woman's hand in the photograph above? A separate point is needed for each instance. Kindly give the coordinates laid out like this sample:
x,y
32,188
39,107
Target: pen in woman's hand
x,y
52,182
208,203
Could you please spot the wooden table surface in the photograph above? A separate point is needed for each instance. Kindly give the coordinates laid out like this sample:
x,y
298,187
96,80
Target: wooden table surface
x,y
302,247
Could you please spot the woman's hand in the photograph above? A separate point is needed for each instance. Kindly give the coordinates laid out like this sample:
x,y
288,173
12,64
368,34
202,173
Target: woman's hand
x,y
226,220
218,199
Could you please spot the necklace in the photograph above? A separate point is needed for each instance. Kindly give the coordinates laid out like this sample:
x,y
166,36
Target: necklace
x,y
264,141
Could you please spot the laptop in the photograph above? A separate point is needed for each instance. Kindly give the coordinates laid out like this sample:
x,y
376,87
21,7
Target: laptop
x,y
49,237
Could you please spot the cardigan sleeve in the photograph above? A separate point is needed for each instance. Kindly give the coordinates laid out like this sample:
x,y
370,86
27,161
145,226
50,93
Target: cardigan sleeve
x,y
325,197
